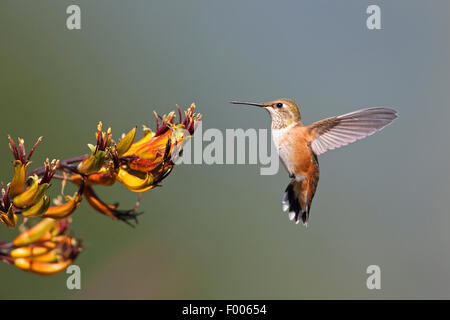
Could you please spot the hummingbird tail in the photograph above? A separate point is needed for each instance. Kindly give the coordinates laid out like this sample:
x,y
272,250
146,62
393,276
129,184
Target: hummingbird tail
x,y
297,201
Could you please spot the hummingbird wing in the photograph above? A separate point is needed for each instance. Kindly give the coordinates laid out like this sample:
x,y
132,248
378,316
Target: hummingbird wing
x,y
335,132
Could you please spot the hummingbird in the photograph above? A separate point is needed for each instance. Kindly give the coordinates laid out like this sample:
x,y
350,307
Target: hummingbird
x,y
298,145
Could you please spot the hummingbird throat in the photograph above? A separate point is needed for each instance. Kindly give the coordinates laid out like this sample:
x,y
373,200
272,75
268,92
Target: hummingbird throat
x,y
279,122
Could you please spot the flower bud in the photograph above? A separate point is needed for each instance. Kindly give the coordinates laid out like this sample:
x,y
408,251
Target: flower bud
x,y
25,252
35,233
125,143
9,218
92,163
32,195
42,268
19,179
38,208
64,210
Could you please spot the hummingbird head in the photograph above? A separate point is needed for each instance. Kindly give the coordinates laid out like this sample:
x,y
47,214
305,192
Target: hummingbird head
x,y
283,112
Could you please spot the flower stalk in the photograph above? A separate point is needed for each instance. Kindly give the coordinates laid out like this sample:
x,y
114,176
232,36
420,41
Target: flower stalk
x,y
44,247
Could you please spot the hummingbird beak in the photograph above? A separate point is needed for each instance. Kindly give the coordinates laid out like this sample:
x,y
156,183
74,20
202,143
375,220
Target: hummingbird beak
x,y
248,103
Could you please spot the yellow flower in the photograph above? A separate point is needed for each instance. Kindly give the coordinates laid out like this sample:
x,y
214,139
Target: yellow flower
x,y
36,191
125,143
66,209
96,159
7,214
44,249
20,165
149,160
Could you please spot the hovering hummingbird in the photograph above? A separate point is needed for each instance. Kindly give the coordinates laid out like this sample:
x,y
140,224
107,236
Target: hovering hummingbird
x,y
298,146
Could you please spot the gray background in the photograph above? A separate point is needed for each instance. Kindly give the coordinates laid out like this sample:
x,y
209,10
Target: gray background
x,y
218,231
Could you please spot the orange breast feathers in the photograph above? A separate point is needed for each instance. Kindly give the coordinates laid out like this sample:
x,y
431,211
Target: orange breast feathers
x,y
295,151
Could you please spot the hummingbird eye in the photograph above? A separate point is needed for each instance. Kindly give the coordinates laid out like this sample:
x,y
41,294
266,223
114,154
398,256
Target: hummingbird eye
x,y
279,105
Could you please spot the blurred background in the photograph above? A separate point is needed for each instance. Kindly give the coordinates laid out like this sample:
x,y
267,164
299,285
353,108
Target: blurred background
x,y
217,232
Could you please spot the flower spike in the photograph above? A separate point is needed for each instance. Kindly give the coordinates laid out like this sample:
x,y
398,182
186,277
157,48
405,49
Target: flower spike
x,y
44,245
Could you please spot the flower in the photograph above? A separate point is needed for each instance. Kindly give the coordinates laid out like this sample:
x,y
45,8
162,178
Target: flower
x,y
139,166
98,153
7,214
20,165
44,249
65,210
36,191
149,160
